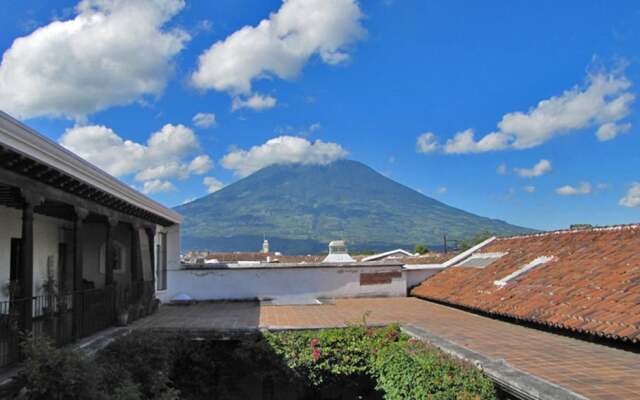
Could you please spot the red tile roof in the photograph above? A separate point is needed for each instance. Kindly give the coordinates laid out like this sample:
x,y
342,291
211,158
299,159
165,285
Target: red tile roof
x,y
429,258
591,285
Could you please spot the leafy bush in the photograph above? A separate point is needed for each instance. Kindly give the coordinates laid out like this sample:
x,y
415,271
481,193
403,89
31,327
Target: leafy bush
x,y
401,367
355,361
49,373
139,360
325,354
412,370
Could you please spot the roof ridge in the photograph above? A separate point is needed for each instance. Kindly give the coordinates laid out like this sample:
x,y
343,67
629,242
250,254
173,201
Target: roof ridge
x,y
570,231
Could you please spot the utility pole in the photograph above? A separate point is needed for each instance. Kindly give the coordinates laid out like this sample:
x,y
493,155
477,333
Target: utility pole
x,y
444,236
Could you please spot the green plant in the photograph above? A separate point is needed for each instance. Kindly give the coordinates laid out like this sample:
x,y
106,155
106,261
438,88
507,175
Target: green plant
x,y
409,369
50,285
49,373
127,391
133,312
322,355
421,249
401,367
140,358
354,361
11,289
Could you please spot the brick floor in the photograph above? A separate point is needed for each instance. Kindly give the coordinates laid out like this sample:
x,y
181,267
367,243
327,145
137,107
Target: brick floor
x,y
592,370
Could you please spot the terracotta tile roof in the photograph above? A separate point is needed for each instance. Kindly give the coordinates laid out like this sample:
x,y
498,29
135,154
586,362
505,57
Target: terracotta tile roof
x,y
429,258
590,285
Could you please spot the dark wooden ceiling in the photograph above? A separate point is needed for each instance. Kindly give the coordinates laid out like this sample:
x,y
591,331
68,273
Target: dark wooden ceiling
x,y
33,169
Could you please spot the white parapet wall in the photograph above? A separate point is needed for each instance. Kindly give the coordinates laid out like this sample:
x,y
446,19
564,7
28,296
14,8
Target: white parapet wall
x,y
417,273
272,281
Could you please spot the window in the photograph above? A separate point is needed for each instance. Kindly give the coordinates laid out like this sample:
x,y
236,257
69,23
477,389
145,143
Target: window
x,y
119,257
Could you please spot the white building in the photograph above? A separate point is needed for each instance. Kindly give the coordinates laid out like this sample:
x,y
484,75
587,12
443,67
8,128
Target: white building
x,y
76,244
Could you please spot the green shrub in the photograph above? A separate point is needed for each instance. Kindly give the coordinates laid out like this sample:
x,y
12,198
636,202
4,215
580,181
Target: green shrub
x,y
49,373
139,359
357,360
412,370
127,391
329,353
401,367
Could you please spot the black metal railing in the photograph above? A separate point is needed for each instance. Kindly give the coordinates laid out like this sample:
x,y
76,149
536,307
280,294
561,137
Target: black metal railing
x,y
66,317
51,317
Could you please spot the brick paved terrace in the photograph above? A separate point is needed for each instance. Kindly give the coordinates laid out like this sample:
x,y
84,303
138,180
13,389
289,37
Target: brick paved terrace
x,y
590,370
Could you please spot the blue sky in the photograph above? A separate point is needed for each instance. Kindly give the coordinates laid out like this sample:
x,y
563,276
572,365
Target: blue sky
x,y
363,80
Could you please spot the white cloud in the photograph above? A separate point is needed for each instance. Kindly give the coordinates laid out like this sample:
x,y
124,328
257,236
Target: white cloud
x,y
542,167
212,184
200,165
501,169
157,186
281,150
313,128
305,131
280,45
441,190
604,101
113,52
204,120
569,190
167,170
426,143
256,102
529,188
610,130
464,142
509,194
165,155
632,198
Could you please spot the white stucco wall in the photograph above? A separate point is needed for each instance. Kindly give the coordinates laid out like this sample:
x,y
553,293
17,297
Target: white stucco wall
x,y
249,283
415,276
46,237
418,273
173,252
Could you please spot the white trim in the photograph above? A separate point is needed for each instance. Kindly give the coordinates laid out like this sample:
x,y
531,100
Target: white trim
x,y
467,253
494,256
25,140
419,267
386,253
538,261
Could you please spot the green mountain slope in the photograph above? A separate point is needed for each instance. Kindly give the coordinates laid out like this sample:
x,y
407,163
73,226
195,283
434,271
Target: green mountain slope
x,y
300,208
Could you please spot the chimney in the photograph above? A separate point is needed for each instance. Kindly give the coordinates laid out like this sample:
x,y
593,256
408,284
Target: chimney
x,y
338,253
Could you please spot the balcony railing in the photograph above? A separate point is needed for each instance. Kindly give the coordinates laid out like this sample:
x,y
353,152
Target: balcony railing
x,y
66,317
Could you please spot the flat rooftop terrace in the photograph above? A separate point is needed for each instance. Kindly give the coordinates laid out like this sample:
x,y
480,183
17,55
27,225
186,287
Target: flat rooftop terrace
x,y
584,369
